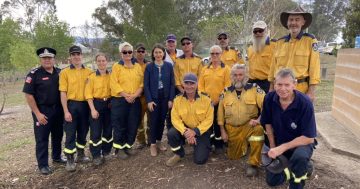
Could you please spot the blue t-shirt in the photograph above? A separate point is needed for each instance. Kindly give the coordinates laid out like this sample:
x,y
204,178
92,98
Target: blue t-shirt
x,y
297,120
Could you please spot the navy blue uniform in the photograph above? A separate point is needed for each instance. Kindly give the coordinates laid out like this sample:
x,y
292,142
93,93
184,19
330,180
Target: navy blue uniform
x,y
295,121
43,86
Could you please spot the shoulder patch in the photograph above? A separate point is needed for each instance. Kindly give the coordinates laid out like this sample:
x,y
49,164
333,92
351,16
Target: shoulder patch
x,y
310,35
315,47
259,90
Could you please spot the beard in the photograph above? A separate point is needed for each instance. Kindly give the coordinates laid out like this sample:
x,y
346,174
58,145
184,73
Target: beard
x,y
258,43
239,84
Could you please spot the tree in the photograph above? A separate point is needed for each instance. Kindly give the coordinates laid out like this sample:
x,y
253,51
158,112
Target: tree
x,y
31,11
53,33
23,56
352,27
328,19
10,35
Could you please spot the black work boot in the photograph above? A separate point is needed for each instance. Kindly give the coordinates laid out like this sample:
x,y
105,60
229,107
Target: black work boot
x,y
70,164
81,157
45,170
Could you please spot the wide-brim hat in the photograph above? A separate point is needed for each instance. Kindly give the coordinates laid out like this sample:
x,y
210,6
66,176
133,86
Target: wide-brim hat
x,y
277,165
297,11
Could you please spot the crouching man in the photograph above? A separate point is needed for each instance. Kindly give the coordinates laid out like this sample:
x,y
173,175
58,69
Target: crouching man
x,y
192,116
288,116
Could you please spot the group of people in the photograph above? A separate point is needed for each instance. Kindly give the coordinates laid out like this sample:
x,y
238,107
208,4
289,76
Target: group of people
x,y
267,101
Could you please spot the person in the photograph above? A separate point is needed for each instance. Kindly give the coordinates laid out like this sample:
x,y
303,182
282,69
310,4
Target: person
x,y
143,133
192,116
214,78
230,55
298,51
159,87
260,55
288,116
43,97
126,84
76,110
239,121
97,94
189,62
171,51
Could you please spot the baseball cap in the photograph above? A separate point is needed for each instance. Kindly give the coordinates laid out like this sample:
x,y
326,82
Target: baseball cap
x,y
75,49
171,37
190,77
259,24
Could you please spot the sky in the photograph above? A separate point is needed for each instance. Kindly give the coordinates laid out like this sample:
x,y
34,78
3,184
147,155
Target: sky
x,y
76,12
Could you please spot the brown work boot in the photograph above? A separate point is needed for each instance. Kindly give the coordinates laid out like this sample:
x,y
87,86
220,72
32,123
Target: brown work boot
x,y
173,160
161,146
121,154
70,164
251,171
81,157
153,150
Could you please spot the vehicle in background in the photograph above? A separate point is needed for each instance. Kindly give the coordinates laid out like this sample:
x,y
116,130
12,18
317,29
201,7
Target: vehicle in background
x,y
329,48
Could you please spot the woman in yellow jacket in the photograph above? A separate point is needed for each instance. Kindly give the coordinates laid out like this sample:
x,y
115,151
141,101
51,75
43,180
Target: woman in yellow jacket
x,y
126,83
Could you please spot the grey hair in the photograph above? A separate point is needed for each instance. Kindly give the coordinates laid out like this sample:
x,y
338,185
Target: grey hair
x,y
122,45
239,67
215,47
285,72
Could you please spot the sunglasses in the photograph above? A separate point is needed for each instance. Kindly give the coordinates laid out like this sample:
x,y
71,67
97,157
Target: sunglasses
x,y
141,51
214,53
127,52
258,31
222,38
186,43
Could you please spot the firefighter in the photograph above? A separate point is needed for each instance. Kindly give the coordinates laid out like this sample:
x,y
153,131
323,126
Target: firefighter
x,y
43,97
76,110
230,55
171,51
97,94
238,117
288,116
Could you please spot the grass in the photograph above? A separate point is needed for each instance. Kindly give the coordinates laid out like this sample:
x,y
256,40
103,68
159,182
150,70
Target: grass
x,y
324,93
15,96
18,143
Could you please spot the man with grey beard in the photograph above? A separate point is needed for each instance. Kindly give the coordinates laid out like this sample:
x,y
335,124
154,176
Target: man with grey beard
x,y
239,120
260,55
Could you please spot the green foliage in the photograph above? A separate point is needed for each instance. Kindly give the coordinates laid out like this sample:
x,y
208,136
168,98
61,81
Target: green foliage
x,y
328,17
352,27
53,33
22,55
10,35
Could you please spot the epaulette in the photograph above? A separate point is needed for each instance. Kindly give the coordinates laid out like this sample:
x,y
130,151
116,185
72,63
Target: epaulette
x,y
309,35
203,93
249,86
231,89
34,70
283,37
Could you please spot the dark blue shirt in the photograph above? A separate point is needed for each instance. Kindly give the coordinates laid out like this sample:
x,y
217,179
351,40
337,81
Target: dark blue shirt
x,y
298,119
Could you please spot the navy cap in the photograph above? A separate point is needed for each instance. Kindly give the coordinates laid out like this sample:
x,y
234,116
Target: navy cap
x,y
46,52
185,38
190,77
222,33
171,37
140,46
75,49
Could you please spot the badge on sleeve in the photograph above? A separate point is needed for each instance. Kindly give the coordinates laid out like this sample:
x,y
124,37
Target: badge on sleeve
x,y
293,125
315,47
28,80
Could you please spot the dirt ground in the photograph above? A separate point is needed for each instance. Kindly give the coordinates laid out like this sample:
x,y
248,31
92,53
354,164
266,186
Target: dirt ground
x,y
18,167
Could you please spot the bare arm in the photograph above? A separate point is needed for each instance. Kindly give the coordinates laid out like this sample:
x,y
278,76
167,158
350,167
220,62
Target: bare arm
x,y
311,92
94,112
64,99
298,141
270,135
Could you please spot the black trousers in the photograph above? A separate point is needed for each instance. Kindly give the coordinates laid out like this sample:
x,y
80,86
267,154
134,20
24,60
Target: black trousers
x,y
298,166
201,149
157,117
125,119
216,139
76,130
55,127
101,130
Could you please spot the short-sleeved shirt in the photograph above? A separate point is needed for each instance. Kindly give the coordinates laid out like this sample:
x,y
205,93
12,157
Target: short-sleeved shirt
x,y
298,119
44,86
